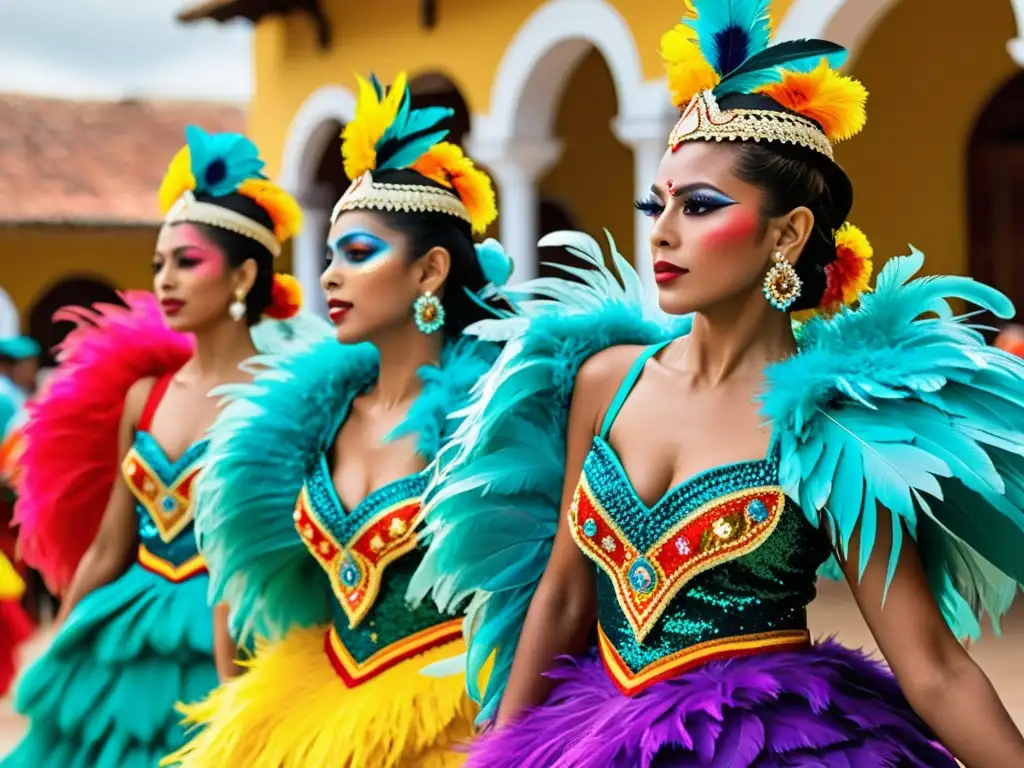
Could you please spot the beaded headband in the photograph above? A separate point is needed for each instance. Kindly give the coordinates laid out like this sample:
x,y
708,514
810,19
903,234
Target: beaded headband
x,y
188,209
366,194
704,120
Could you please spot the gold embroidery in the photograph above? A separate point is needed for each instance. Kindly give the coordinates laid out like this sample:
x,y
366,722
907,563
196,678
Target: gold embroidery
x,y
169,507
646,582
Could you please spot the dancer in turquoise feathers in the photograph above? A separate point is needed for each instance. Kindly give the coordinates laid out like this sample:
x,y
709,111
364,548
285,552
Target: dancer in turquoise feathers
x,y
309,513
135,633
654,496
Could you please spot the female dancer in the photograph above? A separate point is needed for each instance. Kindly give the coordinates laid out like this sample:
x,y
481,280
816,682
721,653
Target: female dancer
x,y
136,634
309,513
692,522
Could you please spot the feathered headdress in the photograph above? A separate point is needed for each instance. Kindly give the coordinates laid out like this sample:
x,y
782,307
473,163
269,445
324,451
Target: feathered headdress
x,y
217,165
387,134
732,84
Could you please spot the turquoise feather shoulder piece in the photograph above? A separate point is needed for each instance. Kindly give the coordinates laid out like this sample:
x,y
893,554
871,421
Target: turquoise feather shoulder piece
x,y
261,449
494,505
901,404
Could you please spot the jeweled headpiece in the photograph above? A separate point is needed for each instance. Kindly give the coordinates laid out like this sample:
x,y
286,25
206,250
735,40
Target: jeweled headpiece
x,y
215,166
731,84
387,134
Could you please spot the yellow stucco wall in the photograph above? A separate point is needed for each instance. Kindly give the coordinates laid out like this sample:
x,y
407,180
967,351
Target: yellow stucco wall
x,y
929,70
47,255
43,256
593,177
466,45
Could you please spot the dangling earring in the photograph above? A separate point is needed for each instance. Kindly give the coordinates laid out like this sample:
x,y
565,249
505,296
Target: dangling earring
x,y
237,307
428,313
782,284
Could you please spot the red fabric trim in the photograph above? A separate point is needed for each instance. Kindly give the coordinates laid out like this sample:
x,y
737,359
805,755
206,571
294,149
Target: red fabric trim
x,y
156,394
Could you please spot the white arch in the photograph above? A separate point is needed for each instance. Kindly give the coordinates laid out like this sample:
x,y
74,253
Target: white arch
x,y
309,133
542,57
10,319
847,22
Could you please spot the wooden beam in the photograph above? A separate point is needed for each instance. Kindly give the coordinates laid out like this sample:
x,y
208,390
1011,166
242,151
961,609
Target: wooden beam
x,y
428,13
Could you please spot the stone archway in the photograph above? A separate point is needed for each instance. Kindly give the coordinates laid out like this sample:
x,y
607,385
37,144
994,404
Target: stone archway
x,y
516,139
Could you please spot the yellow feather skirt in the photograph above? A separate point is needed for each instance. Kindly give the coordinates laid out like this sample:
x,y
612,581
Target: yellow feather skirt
x,y
289,709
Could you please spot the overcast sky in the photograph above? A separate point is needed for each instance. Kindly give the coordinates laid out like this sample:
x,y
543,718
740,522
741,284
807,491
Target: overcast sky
x,y
120,48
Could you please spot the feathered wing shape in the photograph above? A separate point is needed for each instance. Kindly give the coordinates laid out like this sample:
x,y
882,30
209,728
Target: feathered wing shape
x,y
901,404
261,449
71,453
494,505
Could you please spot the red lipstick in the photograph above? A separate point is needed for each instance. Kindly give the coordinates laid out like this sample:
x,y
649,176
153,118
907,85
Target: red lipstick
x,y
337,309
666,271
171,307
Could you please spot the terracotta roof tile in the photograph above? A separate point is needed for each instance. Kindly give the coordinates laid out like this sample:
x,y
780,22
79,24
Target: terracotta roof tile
x,y
90,161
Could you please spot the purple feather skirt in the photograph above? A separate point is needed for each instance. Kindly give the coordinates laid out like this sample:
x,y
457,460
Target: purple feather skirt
x,y
826,707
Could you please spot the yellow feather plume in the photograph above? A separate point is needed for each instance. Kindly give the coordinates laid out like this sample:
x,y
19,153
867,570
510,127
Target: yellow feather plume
x,y
687,71
177,180
284,210
373,117
834,101
446,164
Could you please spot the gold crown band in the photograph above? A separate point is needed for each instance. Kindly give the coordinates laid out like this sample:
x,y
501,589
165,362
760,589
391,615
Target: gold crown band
x,y
704,120
366,194
190,210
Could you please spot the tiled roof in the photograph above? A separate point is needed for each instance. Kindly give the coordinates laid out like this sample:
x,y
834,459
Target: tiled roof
x,y
90,161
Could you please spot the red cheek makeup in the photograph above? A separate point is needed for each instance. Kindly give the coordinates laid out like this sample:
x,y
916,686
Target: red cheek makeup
x,y
729,227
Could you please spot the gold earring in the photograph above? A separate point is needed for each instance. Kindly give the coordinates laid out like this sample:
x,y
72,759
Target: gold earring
x,y
237,307
782,285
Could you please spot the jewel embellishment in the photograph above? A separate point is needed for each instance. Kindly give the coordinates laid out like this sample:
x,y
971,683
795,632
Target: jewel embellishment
x,y
642,576
397,528
722,528
683,546
590,528
349,573
608,544
757,510
169,504
376,543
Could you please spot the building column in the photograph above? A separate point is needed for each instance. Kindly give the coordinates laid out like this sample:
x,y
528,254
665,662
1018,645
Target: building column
x,y
516,167
648,138
1015,47
309,247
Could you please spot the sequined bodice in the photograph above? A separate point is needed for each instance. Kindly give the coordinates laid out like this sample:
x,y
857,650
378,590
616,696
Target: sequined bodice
x,y
369,555
163,495
723,555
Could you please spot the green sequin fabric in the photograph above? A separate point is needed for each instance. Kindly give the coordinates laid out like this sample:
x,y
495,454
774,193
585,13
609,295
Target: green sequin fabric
x,y
765,590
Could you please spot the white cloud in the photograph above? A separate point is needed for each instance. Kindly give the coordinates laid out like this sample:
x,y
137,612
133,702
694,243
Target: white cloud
x,y
120,48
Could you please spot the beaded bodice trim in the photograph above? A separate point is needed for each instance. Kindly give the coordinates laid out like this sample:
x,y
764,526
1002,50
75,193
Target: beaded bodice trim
x,y
354,549
163,494
722,564
647,576
162,488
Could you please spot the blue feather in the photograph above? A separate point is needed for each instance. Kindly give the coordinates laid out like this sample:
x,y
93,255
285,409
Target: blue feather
x,y
220,162
730,31
924,420
411,134
494,506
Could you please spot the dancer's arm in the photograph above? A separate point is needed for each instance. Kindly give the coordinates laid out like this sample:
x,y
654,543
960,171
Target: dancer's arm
x,y
113,549
564,606
939,678
225,652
